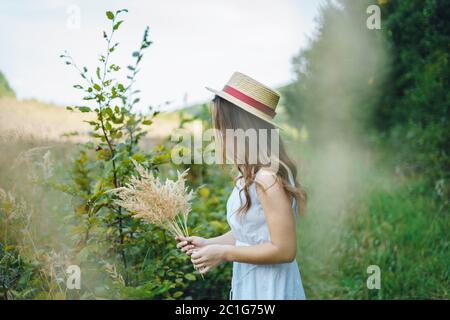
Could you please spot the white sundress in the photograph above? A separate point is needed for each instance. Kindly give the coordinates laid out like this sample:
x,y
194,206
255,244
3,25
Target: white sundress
x,y
259,281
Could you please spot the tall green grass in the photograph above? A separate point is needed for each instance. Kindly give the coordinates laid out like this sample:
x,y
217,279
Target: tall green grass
x,y
396,224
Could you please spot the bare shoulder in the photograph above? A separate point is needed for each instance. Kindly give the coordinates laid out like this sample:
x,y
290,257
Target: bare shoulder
x,y
266,179
270,191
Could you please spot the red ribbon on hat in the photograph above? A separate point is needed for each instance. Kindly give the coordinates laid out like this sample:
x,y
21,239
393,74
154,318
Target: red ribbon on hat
x,y
250,101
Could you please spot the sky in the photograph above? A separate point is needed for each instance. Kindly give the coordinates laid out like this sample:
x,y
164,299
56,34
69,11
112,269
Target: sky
x,y
196,43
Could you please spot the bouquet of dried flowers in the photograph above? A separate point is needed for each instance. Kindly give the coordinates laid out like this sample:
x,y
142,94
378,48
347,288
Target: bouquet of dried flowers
x,y
164,204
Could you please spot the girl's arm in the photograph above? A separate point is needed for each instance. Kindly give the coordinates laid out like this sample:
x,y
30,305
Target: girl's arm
x,y
225,239
281,223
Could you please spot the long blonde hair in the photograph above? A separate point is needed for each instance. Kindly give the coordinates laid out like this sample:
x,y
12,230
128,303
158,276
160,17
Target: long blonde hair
x,y
226,116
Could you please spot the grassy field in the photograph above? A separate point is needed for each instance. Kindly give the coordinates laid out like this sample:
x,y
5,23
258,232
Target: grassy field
x,y
41,121
392,225
359,214
362,212
37,120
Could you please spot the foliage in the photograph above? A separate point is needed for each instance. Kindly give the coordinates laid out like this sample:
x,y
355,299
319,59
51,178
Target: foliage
x,y
391,82
413,114
5,89
405,233
383,93
396,216
214,187
141,260
393,225
338,76
120,257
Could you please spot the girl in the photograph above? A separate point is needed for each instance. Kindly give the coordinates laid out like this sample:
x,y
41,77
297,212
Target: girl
x,y
263,206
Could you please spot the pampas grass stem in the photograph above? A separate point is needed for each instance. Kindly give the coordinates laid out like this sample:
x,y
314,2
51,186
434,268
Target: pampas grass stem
x,y
164,204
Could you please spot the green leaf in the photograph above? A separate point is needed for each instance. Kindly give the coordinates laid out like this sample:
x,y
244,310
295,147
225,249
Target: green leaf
x,y
97,72
84,109
177,294
117,25
97,87
118,120
69,108
113,92
109,112
190,276
114,67
147,122
109,15
138,157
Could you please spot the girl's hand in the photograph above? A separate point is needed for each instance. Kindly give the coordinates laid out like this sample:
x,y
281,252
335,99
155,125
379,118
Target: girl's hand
x,y
189,244
206,258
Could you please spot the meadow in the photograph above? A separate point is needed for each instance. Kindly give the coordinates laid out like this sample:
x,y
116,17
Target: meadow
x,y
378,217
376,174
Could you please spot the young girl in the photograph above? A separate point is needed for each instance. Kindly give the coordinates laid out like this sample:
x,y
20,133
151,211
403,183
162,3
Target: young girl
x,y
263,206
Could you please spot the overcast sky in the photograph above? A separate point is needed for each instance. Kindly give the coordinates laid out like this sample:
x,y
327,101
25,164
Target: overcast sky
x,y
197,43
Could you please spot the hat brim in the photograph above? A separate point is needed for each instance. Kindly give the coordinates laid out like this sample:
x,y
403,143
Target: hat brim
x,y
243,106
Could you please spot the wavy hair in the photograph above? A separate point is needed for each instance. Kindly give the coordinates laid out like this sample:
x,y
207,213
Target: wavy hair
x,y
227,116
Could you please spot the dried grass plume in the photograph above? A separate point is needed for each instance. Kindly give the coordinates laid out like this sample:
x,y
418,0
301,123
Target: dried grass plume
x,y
164,204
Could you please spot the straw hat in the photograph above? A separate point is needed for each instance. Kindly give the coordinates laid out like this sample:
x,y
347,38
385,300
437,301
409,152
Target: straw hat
x,y
250,95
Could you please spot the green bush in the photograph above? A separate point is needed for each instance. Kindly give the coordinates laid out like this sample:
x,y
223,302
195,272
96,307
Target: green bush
x,y
120,257
383,93
5,89
392,83
413,114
